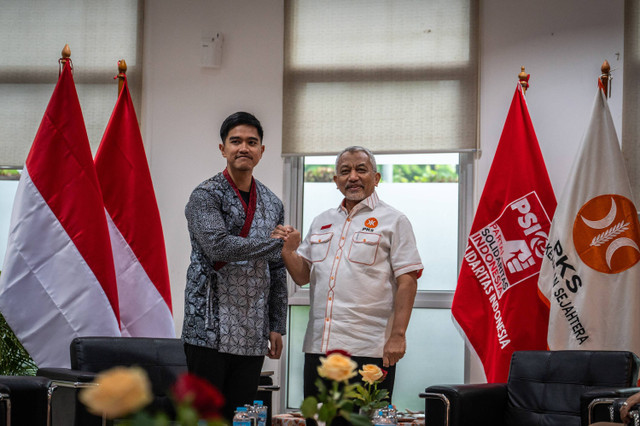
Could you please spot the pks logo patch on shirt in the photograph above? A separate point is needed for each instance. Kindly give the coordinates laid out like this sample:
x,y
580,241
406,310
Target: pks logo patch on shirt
x,y
370,224
326,227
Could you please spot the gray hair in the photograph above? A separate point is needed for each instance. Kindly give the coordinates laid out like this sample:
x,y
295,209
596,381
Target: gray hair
x,y
356,148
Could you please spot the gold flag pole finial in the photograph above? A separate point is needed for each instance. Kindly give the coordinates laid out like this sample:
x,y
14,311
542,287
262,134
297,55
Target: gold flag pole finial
x,y
122,74
523,78
605,78
66,56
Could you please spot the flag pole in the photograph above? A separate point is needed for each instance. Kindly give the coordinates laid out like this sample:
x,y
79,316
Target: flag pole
x,y
605,78
122,74
66,56
523,78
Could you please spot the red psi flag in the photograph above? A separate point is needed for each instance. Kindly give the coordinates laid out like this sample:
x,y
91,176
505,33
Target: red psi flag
x,y
496,303
58,280
134,224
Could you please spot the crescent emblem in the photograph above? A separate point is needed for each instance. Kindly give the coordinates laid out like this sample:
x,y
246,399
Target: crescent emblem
x,y
605,221
619,243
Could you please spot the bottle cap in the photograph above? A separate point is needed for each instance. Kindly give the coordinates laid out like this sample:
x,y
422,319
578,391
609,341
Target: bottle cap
x,y
241,409
258,402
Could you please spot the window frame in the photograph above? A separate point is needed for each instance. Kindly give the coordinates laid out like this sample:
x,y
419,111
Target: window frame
x,y
425,299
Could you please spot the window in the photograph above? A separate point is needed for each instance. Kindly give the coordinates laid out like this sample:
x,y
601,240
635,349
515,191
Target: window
x,y
8,186
429,189
399,77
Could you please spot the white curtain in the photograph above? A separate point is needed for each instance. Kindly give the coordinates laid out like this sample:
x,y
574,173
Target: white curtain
x,y
393,75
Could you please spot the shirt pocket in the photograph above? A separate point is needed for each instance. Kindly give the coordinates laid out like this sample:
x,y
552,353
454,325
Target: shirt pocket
x,y
319,246
364,247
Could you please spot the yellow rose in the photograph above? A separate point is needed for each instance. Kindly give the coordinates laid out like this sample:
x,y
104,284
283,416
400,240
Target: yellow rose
x,y
120,391
371,373
337,367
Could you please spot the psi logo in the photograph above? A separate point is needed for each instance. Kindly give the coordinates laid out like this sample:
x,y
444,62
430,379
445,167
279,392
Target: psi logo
x,y
606,234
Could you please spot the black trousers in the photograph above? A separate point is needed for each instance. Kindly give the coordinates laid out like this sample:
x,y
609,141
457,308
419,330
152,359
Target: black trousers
x,y
236,376
312,362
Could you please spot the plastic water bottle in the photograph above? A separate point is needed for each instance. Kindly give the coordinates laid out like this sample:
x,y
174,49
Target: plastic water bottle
x,y
381,418
260,412
252,413
392,414
241,417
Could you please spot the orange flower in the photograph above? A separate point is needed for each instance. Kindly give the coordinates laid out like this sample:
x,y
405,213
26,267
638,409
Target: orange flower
x,y
371,373
120,391
337,367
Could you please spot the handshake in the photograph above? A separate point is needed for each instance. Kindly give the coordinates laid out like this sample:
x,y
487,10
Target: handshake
x,y
289,235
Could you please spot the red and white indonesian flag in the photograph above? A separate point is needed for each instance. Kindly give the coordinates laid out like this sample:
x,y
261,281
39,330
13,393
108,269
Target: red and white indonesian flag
x,y
58,280
135,227
590,275
496,303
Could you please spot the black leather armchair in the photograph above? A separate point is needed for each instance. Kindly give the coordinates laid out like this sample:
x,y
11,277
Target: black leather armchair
x,y
163,360
24,400
544,388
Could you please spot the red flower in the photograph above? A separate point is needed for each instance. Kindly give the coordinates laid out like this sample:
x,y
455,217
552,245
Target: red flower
x,y
202,395
339,351
384,375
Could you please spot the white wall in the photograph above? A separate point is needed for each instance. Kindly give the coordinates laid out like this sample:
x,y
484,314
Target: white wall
x,y
561,43
184,104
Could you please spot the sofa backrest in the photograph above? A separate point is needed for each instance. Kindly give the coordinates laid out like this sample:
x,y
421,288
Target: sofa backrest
x,y
163,359
544,387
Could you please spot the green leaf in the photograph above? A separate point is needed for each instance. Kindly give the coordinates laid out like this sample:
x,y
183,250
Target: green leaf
x,y
327,412
309,406
356,419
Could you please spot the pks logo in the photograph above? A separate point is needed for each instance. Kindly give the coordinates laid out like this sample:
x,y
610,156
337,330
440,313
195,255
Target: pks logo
x,y
370,224
606,234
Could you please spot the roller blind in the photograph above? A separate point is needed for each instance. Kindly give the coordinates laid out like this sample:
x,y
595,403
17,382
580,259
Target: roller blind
x,y
393,75
33,34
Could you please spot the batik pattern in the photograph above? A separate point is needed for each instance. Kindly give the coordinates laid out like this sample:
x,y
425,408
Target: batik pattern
x,y
234,308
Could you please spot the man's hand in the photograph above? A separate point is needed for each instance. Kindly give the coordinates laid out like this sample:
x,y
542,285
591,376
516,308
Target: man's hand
x,y
281,232
394,350
292,240
626,406
275,345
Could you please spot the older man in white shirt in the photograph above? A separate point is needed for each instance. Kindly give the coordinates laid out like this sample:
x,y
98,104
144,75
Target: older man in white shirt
x,y
362,264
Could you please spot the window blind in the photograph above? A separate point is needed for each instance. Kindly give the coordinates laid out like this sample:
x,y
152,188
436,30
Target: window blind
x,y
393,75
33,34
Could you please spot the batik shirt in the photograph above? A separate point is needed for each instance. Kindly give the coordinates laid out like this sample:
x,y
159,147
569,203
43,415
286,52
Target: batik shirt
x,y
355,258
236,286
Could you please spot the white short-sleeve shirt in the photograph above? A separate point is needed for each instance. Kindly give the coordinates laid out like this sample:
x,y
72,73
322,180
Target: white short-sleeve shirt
x,y
354,260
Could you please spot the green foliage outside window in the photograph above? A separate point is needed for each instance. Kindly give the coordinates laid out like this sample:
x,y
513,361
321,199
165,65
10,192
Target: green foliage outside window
x,y
441,173
9,174
402,173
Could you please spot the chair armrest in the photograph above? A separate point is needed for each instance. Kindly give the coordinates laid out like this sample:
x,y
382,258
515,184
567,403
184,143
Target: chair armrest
x,y
465,405
67,377
594,404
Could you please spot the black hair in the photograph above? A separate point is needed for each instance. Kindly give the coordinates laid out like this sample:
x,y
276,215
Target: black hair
x,y
236,119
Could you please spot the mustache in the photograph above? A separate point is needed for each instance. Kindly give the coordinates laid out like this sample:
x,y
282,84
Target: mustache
x,y
354,185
